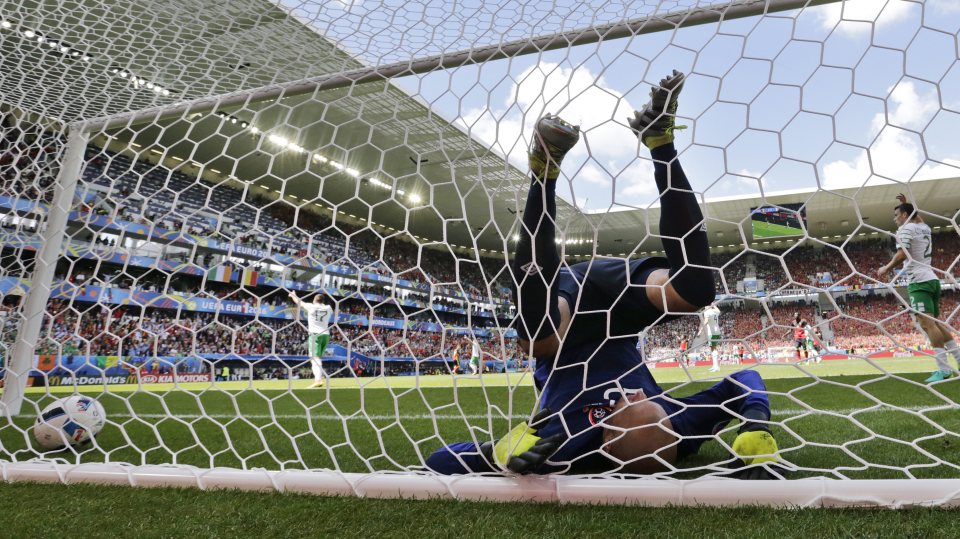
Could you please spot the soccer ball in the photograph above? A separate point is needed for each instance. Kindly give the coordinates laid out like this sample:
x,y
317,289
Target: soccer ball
x,y
69,421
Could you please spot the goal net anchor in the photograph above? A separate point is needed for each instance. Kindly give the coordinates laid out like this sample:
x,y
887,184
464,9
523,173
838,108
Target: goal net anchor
x,y
707,492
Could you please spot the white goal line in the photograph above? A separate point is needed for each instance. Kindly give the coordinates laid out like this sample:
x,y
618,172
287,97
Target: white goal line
x,y
785,412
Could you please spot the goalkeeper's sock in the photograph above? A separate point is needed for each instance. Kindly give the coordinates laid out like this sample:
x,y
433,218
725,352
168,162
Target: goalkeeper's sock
x,y
683,228
536,263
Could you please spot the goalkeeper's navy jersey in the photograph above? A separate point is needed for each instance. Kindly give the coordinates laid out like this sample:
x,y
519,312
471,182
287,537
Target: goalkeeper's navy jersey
x,y
583,385
598,363
586,381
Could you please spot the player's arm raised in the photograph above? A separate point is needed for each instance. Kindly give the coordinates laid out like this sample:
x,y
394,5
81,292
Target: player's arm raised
x,y
297,302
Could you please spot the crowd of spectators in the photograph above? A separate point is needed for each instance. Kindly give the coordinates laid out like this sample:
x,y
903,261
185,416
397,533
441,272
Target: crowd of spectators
x,y
93,330
381,301
281,228
142,192
860,324
877,323
28,164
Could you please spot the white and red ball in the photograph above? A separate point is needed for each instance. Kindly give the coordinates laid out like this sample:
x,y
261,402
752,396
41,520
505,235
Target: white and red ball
x,y
72,421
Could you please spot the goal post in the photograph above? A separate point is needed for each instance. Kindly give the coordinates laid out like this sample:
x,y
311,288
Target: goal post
x,y
35,302
306,286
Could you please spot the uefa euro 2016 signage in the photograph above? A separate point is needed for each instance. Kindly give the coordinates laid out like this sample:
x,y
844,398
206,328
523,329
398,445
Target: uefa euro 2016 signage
x,y
249,251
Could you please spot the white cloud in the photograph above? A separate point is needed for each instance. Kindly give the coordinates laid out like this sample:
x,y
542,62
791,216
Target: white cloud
x,y
748,181
910,109
636,184
849,17
945,6
895,154
950,168
591,173
840,174
581,97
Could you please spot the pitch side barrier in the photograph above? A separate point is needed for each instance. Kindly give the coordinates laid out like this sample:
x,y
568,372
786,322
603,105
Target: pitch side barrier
x,y
67,370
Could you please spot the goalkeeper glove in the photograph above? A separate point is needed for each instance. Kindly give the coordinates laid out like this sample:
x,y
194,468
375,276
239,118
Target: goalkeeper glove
x,y
757,446
521,450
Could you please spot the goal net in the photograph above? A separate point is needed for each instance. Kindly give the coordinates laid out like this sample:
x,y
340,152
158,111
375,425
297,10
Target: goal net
x,y
276,242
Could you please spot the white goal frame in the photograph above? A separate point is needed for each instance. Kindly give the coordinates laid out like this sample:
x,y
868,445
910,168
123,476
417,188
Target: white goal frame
x,y
799,493
711,491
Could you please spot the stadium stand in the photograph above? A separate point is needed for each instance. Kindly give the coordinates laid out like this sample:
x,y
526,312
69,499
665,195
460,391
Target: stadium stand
x,y
442,292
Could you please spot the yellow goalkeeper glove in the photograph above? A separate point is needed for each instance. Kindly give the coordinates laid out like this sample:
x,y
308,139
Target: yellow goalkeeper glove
x,y
522,450
756,447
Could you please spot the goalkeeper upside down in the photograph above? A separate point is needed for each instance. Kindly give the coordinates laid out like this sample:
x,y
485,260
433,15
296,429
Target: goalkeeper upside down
x,y
600,408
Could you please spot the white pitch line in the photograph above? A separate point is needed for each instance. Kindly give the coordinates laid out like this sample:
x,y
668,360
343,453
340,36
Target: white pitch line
x,y
786,412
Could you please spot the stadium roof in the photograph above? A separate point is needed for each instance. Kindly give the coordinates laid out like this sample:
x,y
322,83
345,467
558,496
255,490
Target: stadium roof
x,y
196,49
831,215
364,150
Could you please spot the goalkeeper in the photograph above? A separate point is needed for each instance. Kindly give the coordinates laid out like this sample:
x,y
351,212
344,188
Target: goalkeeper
x,y
601,409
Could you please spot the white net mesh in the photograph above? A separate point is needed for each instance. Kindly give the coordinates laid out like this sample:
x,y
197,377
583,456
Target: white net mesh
x,y
399,203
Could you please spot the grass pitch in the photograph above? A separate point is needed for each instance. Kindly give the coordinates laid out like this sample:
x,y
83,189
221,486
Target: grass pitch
x,y
93,511
850,418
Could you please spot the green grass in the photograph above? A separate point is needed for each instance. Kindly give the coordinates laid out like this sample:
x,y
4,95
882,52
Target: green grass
x,y
96,511
394,423
762,229
828,369
87,511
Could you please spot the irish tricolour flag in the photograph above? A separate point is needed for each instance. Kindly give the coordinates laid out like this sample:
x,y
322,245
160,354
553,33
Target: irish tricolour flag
x,y
220,273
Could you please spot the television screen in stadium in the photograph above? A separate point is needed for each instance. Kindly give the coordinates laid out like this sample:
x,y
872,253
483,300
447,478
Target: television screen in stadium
x,y
778,221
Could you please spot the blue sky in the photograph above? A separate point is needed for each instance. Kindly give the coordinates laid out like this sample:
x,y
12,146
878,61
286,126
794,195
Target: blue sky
x,y
833,96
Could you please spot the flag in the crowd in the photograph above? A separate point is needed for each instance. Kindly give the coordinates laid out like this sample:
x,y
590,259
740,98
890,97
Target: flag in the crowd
x,y
46,362
220,273
250,277
105,362
111,361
